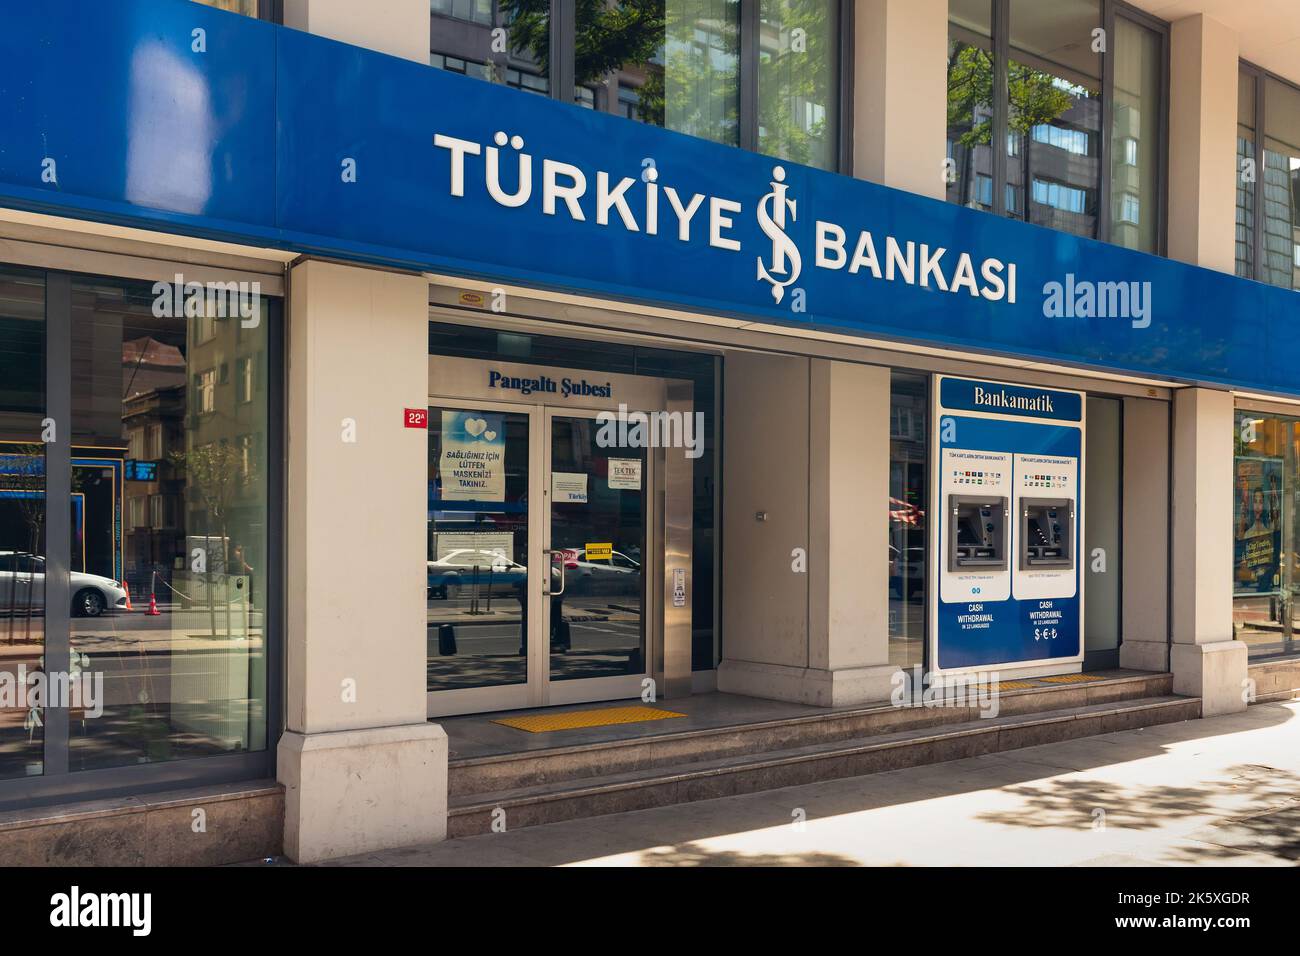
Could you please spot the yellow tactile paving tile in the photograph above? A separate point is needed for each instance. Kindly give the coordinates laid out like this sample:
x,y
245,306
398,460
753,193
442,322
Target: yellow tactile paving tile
x,y
579,719
1070,679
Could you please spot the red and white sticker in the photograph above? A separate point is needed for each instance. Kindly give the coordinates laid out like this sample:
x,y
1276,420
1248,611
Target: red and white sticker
x,y
416,417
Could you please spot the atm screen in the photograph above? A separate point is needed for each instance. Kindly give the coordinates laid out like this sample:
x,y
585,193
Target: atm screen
x,y
1045,533
970,531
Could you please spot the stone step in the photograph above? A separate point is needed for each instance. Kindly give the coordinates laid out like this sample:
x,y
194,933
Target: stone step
x,y
499,772
659,786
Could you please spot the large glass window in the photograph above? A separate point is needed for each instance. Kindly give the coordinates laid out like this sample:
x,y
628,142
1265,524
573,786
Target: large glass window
x,y
1054,114
136,568
670,63
185,673
1102,524
508,42
908,466
1135,138
1026,116
1281,254
1264,515
22,517
684,65
1247,176
1268,179
798,80
970,103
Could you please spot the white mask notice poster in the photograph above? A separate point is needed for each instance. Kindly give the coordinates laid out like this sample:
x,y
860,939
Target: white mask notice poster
x,y
472,462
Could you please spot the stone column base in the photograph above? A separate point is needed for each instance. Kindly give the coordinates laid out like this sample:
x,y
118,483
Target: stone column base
x,y
872,684
1216,673
1145,656
353,791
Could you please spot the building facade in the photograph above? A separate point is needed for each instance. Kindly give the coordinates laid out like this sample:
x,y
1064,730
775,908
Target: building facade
x,y
471,356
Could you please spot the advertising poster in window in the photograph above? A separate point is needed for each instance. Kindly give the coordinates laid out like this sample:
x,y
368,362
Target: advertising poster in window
x,y
1257,525
472,463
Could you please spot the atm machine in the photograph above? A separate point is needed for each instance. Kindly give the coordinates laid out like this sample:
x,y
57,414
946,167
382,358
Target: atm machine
x,y
1007,497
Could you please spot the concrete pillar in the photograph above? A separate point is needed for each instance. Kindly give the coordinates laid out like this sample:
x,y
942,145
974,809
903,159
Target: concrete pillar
x,y
1206,661
765,512
362,766
1203,143
803,448
848,570
900,93
396,27
1145,591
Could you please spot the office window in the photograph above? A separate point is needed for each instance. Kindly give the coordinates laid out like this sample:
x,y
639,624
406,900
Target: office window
x,y
462,41
669,63
245,379
472,11
1135,129
1130,210
677,64
970,104
1268,179
798,80
1054,81
1281,184
1053,157
1247,175
154,444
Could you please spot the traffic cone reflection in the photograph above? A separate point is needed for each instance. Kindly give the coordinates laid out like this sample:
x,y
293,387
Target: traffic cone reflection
x,y
127,588
153,607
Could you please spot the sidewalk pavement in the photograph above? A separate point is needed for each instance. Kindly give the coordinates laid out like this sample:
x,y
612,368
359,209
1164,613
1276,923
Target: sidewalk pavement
x,y
1222,791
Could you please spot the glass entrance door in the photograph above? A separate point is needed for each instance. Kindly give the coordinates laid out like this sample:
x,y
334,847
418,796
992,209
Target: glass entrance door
x,y
536,540
596,537
479,551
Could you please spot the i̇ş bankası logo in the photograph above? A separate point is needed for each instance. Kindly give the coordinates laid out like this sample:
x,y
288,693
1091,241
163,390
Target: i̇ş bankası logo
x,y
639,204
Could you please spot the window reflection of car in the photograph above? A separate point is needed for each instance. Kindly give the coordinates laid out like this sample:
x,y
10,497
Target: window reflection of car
x,y
22,585
464,568
618,575
907,572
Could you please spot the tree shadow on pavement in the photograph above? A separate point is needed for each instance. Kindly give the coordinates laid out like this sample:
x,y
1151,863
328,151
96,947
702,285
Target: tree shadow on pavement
x,y
693,854
1257,809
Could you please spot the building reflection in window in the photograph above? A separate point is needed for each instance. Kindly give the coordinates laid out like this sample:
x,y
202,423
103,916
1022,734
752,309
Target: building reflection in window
x,y
169,488
908,545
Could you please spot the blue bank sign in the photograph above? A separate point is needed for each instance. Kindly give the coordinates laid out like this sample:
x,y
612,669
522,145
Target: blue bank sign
x,y
278,138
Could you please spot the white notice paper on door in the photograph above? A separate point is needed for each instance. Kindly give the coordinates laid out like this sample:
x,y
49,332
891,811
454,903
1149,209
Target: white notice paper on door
x,y
625,474
568,488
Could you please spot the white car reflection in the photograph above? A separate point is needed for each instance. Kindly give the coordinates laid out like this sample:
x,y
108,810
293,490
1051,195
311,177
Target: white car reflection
x,y
22,585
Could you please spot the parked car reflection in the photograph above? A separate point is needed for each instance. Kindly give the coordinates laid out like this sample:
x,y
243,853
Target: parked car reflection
x,y
468,568
22,585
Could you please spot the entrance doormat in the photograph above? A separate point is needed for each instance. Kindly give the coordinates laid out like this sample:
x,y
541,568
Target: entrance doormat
x,y
579,719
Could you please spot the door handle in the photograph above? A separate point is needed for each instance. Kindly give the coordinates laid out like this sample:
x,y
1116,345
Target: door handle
x,y
554,551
